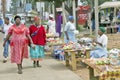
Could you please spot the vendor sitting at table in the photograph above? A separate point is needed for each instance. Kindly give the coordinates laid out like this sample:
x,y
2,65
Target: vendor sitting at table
x,y
100,50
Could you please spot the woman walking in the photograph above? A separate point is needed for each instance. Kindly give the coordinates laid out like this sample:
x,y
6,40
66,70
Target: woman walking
x,y
38,35
19,35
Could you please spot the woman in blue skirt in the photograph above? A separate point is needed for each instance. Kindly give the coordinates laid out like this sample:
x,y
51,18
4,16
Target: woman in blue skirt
x,y
38,35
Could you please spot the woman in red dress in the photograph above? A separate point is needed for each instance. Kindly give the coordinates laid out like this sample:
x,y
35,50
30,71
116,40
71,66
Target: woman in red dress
x,y
38,35
19,35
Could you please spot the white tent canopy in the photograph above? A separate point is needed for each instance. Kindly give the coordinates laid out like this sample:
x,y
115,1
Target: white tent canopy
x,y
33,12
115,4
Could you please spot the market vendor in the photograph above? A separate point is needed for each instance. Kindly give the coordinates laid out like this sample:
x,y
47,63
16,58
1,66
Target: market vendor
x,y
100,44
51,24
70,30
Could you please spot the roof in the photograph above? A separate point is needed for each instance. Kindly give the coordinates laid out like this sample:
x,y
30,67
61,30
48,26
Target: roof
x,y
115,4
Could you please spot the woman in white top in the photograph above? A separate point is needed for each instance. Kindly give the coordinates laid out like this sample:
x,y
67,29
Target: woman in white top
x,y
4,30
101,45
70,30
51,24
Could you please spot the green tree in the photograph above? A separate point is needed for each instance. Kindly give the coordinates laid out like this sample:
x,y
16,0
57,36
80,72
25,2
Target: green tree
x,y
58,3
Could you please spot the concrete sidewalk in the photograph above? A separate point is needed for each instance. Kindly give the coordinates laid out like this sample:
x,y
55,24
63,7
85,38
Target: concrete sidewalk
x,y
51,70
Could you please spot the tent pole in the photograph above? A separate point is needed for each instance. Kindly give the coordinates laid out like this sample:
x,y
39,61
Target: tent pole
x,y
96,17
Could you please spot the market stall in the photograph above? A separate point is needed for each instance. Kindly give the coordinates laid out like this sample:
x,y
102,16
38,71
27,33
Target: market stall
x,y
74,58
75,52
112,26
104,67
54,46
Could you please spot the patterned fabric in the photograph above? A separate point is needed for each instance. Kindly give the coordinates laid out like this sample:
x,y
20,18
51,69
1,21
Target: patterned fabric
x,y
19,42
37,53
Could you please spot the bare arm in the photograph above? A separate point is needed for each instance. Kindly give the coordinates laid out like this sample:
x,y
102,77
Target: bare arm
x,y
66,35
47,28
31,42
28,36
6,39
1,30
97,42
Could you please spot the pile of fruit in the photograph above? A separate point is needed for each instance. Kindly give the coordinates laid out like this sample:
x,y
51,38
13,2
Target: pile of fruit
x,y
107,74
68,46
48,35
102,62
56,41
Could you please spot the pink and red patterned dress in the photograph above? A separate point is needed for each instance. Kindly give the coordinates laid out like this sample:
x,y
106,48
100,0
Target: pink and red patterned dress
x,y
19,42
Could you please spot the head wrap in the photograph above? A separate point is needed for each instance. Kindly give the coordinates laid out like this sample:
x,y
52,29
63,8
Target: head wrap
x,y
51,15
102,29
71,18
36,18
17,17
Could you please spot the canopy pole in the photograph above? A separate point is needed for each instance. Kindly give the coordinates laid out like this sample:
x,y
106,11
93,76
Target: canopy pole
x,y
115,10
74,12
96,17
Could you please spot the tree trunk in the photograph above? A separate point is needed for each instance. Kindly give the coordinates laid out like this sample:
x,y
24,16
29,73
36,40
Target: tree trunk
x,y
3,7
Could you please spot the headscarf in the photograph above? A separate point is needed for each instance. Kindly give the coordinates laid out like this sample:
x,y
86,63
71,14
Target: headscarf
x,y
102,29
51,15
17,17
36,18
71,18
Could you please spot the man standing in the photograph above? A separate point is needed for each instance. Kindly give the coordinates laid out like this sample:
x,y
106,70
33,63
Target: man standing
x,y
4,30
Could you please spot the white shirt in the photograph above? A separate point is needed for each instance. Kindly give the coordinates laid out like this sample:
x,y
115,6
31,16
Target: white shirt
x,y
69,27
6,28
51,24
103,40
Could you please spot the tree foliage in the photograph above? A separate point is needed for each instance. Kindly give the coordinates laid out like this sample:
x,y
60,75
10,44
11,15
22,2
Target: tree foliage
x,y
52,0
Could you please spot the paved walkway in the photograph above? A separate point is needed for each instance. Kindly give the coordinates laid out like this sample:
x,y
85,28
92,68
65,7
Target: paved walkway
x,y
51,70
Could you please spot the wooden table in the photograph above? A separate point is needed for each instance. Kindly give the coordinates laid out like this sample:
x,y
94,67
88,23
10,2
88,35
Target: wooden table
x,y
101,70
71,55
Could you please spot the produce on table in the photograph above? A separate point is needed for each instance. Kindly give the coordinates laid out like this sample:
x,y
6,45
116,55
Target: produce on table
x,y
49,35
56,41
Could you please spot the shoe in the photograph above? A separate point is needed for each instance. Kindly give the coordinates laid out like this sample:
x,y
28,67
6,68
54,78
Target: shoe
x,y
34,64
38,65
20,72
4,61
19,69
